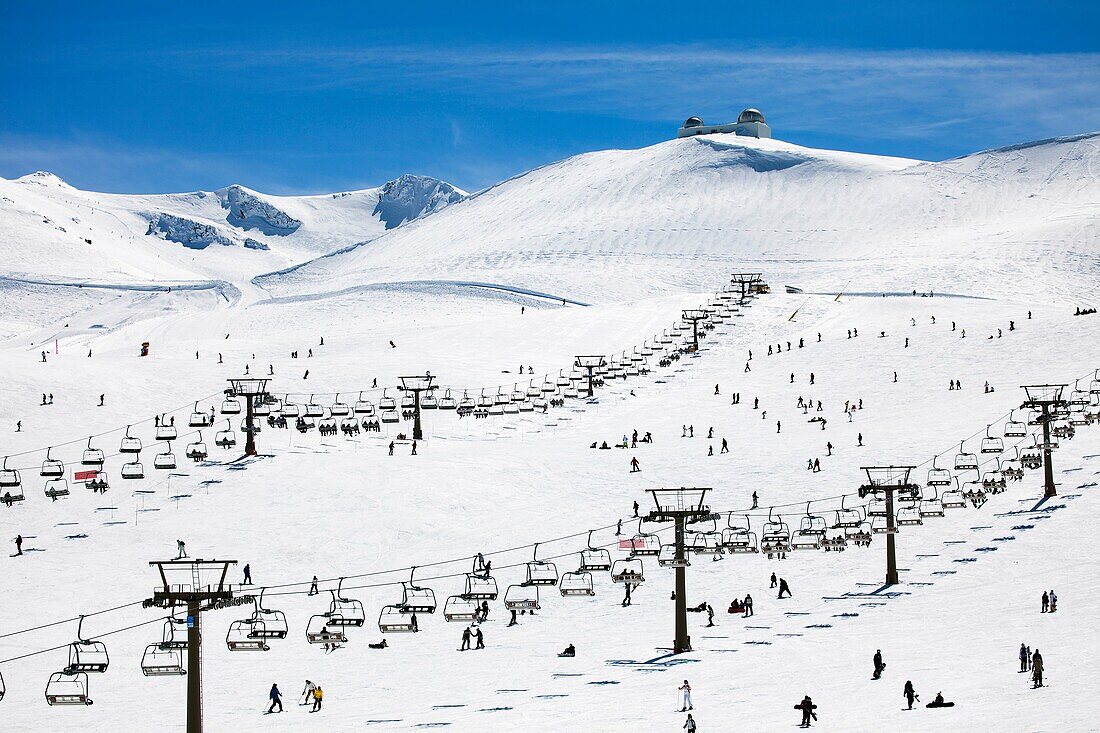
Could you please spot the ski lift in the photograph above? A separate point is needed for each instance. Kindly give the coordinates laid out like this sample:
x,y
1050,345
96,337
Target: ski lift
x,y
577,583
646,350
324,628
11,485
416,599
1014,428
196,451
363,407
98,482
548,386
876,508
594,559
938,476
879,526
291,409
953,499
390,416
932,506
705,543
561,380
395,620
571,392
129,444
539,403
226,438
271,624
775,529
246,635
313,409
429,401
326,424
467,402
387,403
643,544
166,430
133,469
86,655
57,487
541,572
256,425
480,585
630,570
349,424
806,541
909,515
991,444
339,409
522,597
518,395
965,461
847,518
667,558
1094,385
345,611
51,467
231,405
532,390
65,688
1078,397
165,460
92,456
484,402
261,409
200,419
447,402
460,608
811,523
408,401
161,661
511,408
737,537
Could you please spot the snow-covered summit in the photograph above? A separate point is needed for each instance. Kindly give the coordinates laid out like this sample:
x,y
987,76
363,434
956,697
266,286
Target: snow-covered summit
x,y
408,197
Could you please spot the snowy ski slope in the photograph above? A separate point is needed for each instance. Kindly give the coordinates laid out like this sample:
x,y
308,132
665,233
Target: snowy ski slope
x,y
637,236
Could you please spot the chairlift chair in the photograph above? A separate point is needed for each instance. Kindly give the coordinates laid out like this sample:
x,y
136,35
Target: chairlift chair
x,y
314,409
324,628
806,540
261,409
51,467
429,401
630,570
879,525
541,572
594,559
415,598
571,392
562,380
291,409
991,444
467,402
200,419
812,523
11,485
57,487
396,620
345,611
133,469
532,390
518,395
1094,385
510,408
965,461
408,401
390,416
87,655
66,688
196,451
876,508
938,476
522,597
527,405
667,558
165,460
246,635
953,498
231,406
484,401
776,529
386,402
480,587
166,431
328,423
644,544
1014,428
446,402
129,444
349,423
847,518
161,661
932,506
577,583
271,623
540,403
339,409
460,608
548,386
363,407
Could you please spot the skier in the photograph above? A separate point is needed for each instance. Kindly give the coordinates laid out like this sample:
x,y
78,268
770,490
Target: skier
x,y
879,665
318,695
748,605
414,448
817,465
629,588
18,426
716,389
773,574
725,447
784,588
1053,602
635,508
756,403
910,694
1023,657
307,693
1037,668
807,707
247,575
859,440
391,447
480,639
1046,602
778,426
466,634
811,377
619,528
755,500
276,698
101,397
689,724
18,544
710,615
829,448
686,689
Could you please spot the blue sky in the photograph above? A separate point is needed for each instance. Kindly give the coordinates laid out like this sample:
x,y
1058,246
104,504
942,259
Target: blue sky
x,y
317,97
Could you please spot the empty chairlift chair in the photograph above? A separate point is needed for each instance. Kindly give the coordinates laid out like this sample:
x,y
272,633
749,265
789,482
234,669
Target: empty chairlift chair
x,y
364,407
429,401
909,515
847,518
165,460
291,410
594,559
991,443
339,409
87,655
231,405
522,597
133,469
161,661
965,461
415,598
460,608
345,611
576,583
739,538
246,635
65,688
706,542
269,622
386,402
931,506
92,456
644,544
51,467
667,558
541,572
314,409
395,620
447,402
938,476
953,498
1014,428
467,402
200,419
129,445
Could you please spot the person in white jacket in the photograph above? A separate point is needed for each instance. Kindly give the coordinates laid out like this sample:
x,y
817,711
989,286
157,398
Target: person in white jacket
x,y
686,689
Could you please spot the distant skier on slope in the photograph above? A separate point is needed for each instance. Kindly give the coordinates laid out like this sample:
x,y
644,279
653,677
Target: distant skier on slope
x,y
276,698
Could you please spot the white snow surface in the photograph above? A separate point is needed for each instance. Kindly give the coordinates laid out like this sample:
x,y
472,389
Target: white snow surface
x,y
638,236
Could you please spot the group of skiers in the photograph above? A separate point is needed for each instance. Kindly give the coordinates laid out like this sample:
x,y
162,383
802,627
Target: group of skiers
x,y
311,695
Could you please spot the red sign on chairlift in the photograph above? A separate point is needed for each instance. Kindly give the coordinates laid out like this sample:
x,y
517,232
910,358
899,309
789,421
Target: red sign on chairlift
x,y
631,544
85,475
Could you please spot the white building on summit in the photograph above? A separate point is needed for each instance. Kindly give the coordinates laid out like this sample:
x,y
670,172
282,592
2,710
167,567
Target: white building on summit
x,y
750,123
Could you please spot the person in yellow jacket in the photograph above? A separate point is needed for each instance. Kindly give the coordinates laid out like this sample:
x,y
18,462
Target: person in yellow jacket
x,y
318,695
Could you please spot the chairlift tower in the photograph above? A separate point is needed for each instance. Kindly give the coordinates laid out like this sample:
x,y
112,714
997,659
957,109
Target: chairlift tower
x,y
200,586
746,281
888,481
695,316
680,506
416,385
1046,398
591,364
250,388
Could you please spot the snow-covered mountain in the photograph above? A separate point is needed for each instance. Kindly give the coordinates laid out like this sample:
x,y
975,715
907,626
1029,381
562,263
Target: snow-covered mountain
x,y
645,218
159,238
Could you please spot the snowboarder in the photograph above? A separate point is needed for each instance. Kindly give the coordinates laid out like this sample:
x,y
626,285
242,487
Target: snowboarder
x,y
756,403
774,582
689,724
247,575
276,698
635,508
859,440
879,665
710,615
634,466
1046,602
910,694
181,549
101,398
755,501
466,634
686,689
313,587
716,389
748,605
480,639
811,377
570,651
318,695
778,426
784,588
829,448
1023,657
939,702
807,707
